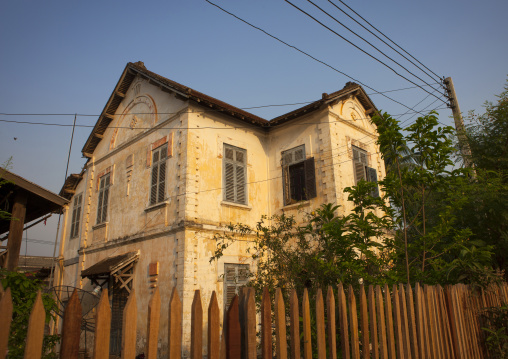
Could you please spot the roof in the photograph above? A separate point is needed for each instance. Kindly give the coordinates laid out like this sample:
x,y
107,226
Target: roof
x,y
134,69
40,201
110,265
70,184
34,263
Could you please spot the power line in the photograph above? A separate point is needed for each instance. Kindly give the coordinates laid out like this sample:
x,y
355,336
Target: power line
x,y
387,44
306,54
181,128
365,40
393,42
351,43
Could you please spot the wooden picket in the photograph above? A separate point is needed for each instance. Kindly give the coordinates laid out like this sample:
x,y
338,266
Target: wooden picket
x,y
72,328
428,322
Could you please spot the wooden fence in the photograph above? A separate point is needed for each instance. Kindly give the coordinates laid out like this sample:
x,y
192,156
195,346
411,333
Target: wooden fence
x,y
428,322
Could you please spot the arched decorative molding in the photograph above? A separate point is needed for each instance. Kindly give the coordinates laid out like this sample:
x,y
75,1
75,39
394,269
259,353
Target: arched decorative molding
x,y
141,112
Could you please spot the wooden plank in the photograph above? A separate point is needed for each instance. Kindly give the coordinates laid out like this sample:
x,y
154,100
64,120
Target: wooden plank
x,y
15,229
130,316
175,326
307,342
453,322
411,317
437,323
373,324
102,327
331,331
430,321
383,346
364,323
294,328
399,340
5,319
281,345
405,322
35,333
422,321
266,325
320,325
222,354
152,330
213,338
196,347
71,328
234,331
448,351
389,323
353,319
250,324
344,334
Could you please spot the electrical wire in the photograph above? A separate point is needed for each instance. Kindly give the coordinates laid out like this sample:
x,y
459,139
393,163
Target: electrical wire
x,y
393,42
365,40
354,45
387,44
306,54
183,128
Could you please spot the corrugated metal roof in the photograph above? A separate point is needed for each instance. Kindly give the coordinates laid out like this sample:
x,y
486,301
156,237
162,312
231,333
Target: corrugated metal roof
x,y
110,265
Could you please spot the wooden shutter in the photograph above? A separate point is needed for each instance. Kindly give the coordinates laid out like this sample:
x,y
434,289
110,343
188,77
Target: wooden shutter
x,y
236,276
359,169
310,178
372,177
235,175
285,183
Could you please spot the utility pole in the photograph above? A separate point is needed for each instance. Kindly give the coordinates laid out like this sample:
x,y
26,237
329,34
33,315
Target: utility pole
x,y
465,150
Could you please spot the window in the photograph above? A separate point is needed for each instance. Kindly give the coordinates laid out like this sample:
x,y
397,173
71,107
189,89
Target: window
x,y
102,208
363,171
234,174
76,215
298,176
236,276
158,186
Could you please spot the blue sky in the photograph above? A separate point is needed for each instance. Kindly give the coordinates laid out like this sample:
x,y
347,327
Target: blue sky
x,y
61,57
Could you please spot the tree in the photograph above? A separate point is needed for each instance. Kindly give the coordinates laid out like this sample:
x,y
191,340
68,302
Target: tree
x,y
24,288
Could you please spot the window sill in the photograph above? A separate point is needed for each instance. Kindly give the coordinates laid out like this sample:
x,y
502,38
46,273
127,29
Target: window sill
x,y
236,205
153,207
296,205
100,225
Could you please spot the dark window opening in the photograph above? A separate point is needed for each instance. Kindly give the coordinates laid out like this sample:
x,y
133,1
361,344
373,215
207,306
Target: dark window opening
x,y
298,175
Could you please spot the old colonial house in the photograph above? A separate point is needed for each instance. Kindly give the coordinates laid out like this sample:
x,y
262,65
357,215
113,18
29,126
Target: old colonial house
x,y
168,166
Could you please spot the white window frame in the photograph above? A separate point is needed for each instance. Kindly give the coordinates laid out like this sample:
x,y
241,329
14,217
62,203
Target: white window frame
x,y
158,175
234,175
362,170
103,198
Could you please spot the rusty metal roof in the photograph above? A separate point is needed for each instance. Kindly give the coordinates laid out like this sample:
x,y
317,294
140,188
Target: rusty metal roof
x,y
110,265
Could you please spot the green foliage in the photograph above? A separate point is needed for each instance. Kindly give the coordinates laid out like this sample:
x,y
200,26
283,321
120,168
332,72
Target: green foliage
x,y
431,243
496,329
486,212
24,288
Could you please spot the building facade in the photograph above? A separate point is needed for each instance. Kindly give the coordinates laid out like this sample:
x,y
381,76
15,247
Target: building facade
x,y
167,167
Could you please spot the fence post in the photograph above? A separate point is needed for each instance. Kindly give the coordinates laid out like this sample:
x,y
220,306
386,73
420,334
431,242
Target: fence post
x,y
280,326
196,326
353,316
398,324
152,332
364,323
5,319
130,318
381,323
266,325
344,334
330,307
102,327
413,334
405,324
71,328
250,324
233,331
175,326
320,325
213,328
307,340
294,325
373,323
35,334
